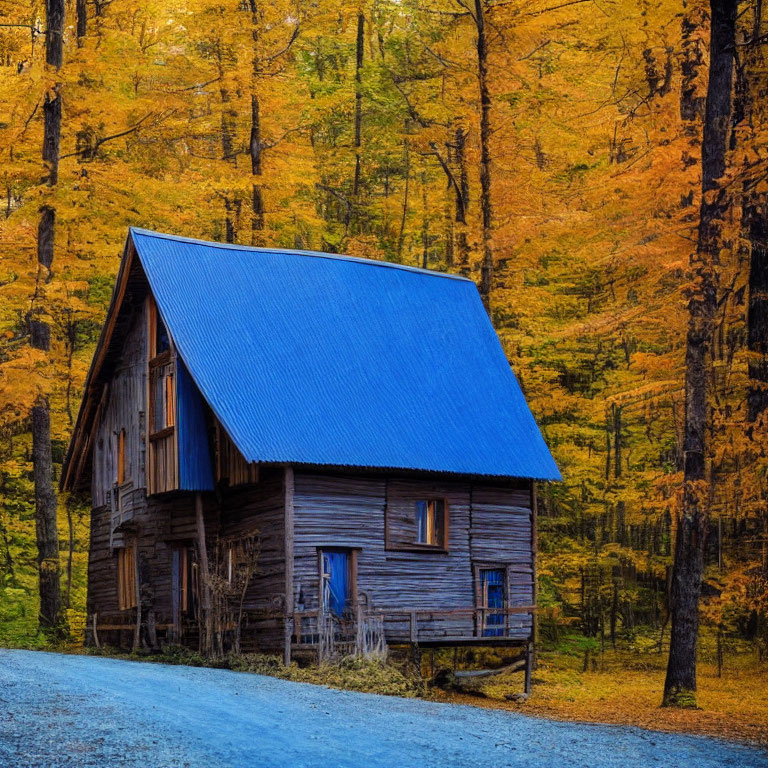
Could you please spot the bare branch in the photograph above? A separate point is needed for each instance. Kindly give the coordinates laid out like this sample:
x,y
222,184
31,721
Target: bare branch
x,y
92,150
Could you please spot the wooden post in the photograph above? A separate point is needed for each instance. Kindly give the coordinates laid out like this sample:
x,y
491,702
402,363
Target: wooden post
x,y
95,631
204,574
534,559
137,587
288,479
528,665
320,608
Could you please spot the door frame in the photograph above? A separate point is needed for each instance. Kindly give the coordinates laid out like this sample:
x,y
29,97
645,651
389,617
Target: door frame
x,y
352,558
488,565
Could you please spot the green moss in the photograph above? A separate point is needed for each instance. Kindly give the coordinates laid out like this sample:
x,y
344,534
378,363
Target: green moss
x,y
680,698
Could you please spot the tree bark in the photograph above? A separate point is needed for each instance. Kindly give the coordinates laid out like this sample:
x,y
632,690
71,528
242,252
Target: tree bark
x,y
486,271
54,33
256,148
680,683
81,12
205,579
756,226
461,197
401,233
232,203
358,101
46,531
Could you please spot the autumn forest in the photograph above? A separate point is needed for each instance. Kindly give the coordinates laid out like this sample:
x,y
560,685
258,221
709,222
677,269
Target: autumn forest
x,y
598,167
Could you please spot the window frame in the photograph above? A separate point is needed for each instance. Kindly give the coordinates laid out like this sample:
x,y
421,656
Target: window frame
x,y
121,474
352,554
441,545
434,526
162,385
478,566
126,577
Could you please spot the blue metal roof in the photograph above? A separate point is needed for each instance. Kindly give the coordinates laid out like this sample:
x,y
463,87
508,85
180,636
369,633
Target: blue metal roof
x,y
329,360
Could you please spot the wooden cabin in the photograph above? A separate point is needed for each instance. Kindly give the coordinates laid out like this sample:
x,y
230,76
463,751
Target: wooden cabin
x,y
322,453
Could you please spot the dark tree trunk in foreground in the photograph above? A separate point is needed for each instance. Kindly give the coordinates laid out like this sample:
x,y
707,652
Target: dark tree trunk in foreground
x,y
486,272
81,12
45,518
680,684
358,101
46,530
256,148
756,225
232,203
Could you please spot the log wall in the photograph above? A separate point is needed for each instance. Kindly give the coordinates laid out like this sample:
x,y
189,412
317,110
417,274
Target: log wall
x,y
259,508
489,526
160,524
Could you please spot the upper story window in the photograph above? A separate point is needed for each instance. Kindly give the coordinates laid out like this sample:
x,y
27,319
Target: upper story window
x,y
121,472
416,517
430,522
162,342
159,340
162,464
163,411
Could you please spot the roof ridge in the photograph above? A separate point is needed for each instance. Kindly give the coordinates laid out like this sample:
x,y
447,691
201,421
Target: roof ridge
x,y
297,252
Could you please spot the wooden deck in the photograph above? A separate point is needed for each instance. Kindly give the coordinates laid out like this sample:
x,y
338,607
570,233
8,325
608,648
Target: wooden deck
x,y
427,628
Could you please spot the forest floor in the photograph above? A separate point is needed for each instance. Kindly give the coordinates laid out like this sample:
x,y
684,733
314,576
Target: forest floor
x,y
626,689
78,711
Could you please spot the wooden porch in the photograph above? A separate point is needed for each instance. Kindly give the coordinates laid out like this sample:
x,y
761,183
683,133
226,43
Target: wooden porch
x,y
427,628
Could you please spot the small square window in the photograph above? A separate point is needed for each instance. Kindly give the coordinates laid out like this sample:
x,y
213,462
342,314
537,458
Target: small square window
x,y
430,522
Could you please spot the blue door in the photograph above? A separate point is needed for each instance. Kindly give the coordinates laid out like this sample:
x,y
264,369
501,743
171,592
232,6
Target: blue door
x,y
335,582
493,596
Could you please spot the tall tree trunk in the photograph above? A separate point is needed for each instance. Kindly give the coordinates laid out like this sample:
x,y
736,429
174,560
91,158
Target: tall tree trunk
x,y
46,531
255,145
486,272
680,683
256,148
756,226
232,203
206,644
401,233
54,33
81,12
459,147
358,101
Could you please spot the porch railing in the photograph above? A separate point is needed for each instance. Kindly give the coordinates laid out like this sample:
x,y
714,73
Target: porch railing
x,y
362,630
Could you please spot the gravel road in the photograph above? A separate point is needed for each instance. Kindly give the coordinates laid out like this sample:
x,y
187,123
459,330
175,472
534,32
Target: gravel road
x,y
80,711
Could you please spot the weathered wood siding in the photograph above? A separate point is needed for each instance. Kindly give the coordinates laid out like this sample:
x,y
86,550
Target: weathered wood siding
x,y
501,534
488,526
157,526
259,509
123,407
161,524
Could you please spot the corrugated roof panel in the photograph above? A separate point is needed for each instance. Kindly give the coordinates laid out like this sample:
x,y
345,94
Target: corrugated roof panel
x,y
327,360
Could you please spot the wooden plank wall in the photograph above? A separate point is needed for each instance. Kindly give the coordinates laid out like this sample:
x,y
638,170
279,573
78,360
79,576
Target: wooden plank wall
x,y
124,408
157,526
160,524
350,511
501,533
488,526
259,509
